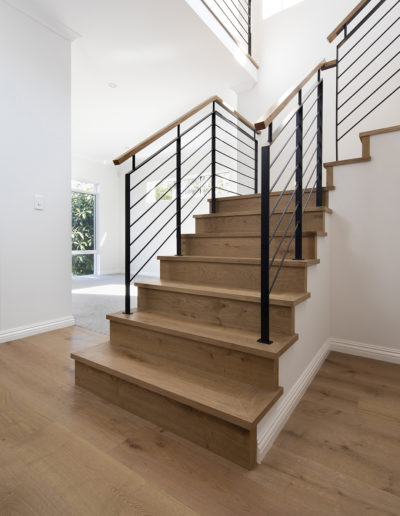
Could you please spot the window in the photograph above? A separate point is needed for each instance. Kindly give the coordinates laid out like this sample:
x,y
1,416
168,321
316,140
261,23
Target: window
x,y
191,186
83,203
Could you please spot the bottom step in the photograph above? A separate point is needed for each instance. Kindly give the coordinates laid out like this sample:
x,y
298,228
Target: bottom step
x,y
218,414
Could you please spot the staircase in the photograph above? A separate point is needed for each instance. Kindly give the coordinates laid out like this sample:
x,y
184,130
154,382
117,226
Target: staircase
x,y
191,358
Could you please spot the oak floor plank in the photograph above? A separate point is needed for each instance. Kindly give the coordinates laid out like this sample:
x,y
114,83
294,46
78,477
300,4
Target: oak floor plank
x,y
63,451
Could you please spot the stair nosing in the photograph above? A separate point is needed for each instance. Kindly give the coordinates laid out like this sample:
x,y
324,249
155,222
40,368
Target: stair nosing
x,y
313,209
220,341
251,296
247,235
240,260
250,196
244,420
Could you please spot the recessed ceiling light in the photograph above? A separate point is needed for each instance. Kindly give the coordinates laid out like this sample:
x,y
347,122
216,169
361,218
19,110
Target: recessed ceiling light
x,y
112,85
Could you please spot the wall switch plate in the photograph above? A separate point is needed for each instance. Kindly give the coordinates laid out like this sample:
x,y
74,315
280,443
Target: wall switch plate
x,y
39,202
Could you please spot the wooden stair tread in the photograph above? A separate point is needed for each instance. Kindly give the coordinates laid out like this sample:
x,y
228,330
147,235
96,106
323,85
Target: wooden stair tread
x,y
247,235
258,195
346,162
230,338
281,299
311,209
245,261
233,401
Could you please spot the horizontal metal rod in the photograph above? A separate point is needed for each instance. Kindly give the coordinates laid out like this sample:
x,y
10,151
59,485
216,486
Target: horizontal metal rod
x,y
311,107
235,159
366,50
372,110
196,151
309,145
283,259
235,115
249,136
283,148
282,216
283,192
368,81
310,126
369,64
309,197
152,172
234,136
235,148
236,182
155,186
186,131
233,14
271,263
195,138
370,29
284,168
369,96
225,190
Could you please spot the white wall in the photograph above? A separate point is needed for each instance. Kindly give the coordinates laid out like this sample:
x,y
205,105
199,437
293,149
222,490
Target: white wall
x,y
110,210
365,247
35,257
289,44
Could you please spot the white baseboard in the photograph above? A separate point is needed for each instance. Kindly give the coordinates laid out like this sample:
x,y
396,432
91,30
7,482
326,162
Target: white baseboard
x,y
361,349
35,329
269,430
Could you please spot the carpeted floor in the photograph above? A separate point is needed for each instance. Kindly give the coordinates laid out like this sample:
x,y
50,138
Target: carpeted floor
x,y
93,297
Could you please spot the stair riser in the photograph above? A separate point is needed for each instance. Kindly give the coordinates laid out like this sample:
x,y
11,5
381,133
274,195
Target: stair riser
x,y
238,204
236,275
158,346
226,439
230,313
244,247
312,221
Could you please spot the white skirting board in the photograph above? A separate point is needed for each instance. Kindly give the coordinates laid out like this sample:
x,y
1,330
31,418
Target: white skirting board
x,y
269,430
360,349
28,331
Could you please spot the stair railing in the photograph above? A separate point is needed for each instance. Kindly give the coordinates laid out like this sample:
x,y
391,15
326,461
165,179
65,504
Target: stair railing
x,y
291,173
365,78
210,150
235,18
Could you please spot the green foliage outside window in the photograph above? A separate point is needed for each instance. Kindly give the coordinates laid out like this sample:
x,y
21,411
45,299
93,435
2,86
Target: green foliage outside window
x,y
83,232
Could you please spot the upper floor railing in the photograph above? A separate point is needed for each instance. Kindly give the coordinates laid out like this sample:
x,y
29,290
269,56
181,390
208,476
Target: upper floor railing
x,y
235,18
365,76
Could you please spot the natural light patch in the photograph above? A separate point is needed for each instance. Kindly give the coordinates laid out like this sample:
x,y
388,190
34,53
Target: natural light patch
x,y
102,290
271,7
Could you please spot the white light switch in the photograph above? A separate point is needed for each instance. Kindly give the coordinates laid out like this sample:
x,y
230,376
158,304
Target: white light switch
x,y
39,202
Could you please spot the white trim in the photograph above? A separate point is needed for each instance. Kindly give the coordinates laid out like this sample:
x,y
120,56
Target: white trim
x,y
40,16
361,349
269,430
43,327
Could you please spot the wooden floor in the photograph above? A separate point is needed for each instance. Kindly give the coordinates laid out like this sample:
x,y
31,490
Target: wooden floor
x,y
64,451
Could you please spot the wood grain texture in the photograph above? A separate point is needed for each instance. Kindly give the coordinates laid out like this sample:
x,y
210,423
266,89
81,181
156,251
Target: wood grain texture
x,y
151,139
270,115
357,9
65,451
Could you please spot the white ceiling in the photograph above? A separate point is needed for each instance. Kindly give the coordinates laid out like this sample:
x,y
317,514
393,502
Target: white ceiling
x,y
161,56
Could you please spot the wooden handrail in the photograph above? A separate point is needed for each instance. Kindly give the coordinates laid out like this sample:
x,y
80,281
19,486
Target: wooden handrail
x,y
357,9
145,143
278,107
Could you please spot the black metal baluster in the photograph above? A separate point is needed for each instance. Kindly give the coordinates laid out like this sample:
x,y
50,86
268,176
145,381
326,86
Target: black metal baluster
x,y
320,121
178,192
249,28
265,220
337,103
255,163
128,239
213,159
299,180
